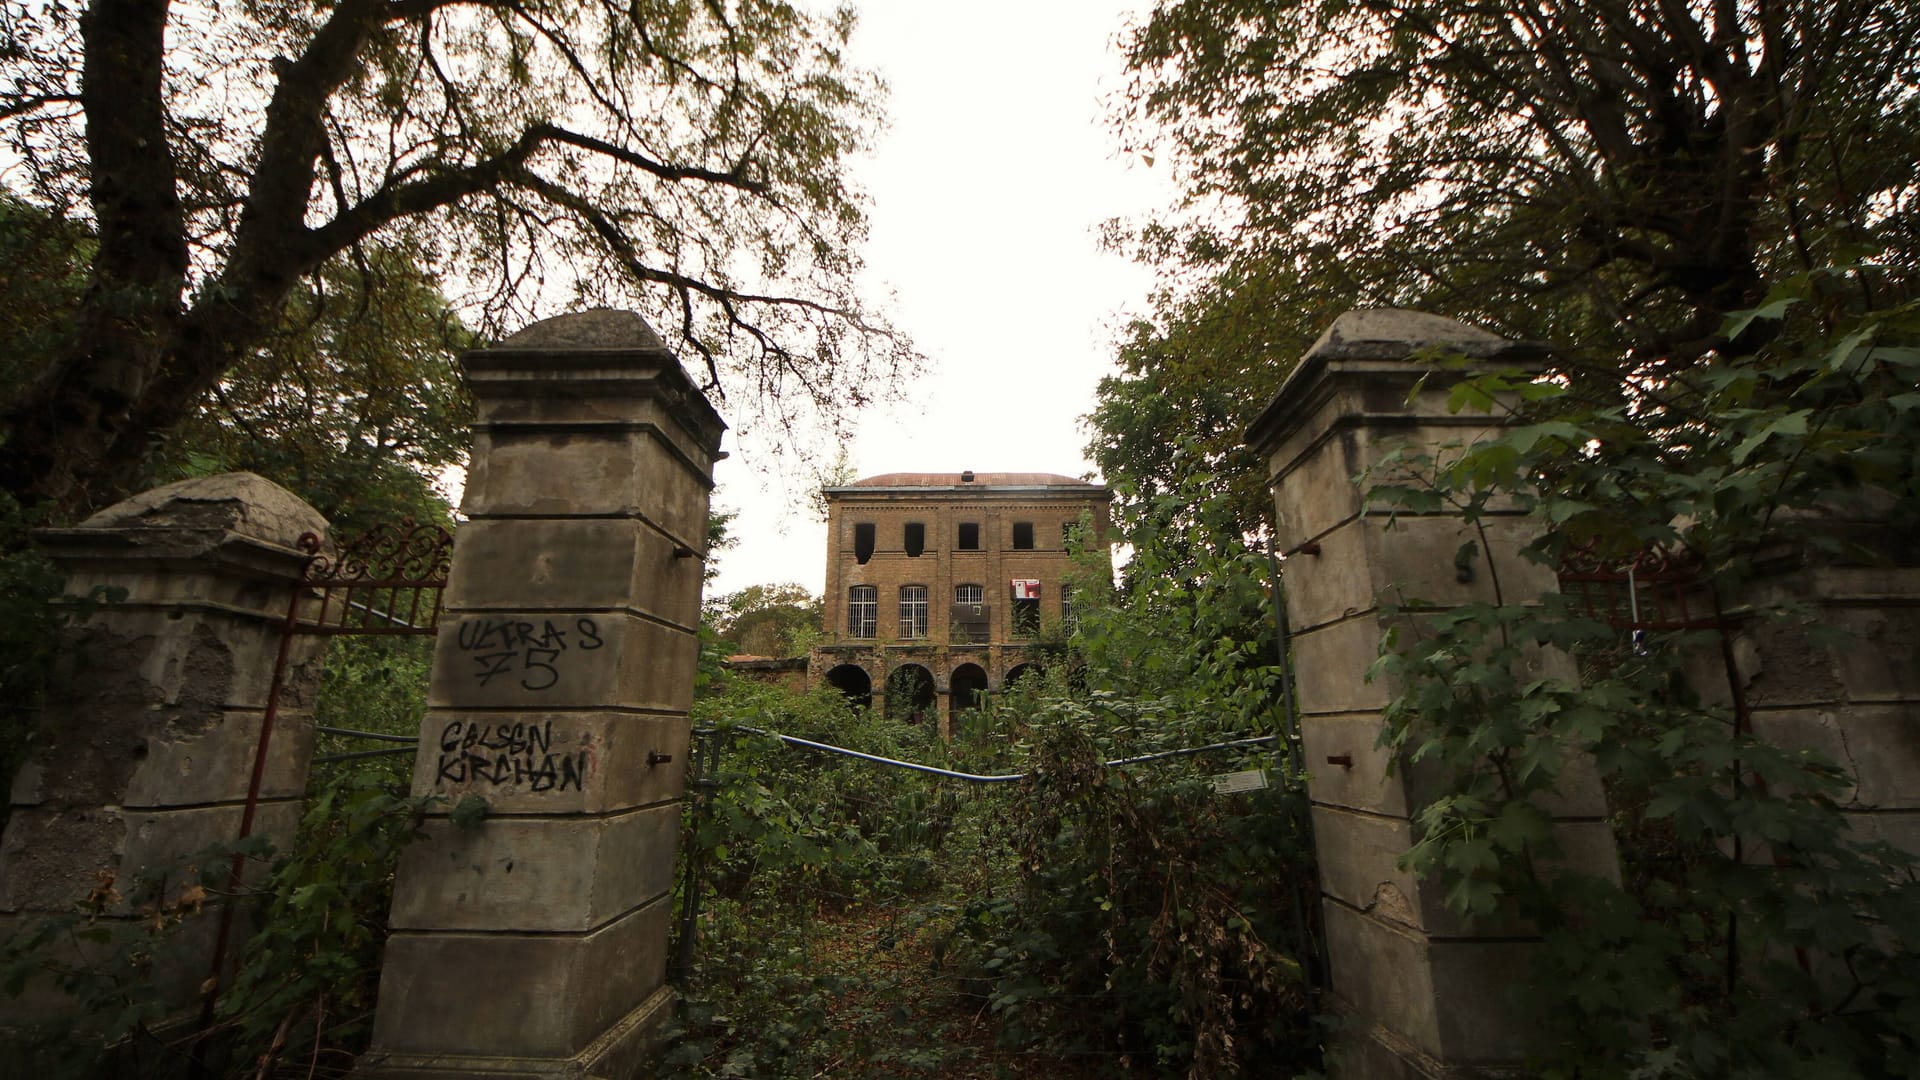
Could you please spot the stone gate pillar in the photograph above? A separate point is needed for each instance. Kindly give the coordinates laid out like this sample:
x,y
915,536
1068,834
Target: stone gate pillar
x,y
535,942
1428,993
148,738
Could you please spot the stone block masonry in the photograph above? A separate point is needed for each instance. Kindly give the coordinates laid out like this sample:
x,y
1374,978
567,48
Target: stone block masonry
x,y
534,944
1426,991
147,742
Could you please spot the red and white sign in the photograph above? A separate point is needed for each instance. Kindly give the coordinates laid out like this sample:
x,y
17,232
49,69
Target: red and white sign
x,y
1026,588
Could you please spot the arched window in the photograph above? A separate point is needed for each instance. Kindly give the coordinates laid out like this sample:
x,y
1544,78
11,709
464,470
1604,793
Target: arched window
x,y
969,594
913,611
863,611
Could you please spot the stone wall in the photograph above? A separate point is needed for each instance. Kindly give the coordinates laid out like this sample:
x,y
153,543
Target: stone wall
x,y
150,738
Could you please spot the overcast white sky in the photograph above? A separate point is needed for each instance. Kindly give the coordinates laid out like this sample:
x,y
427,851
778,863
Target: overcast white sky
x,y
987,191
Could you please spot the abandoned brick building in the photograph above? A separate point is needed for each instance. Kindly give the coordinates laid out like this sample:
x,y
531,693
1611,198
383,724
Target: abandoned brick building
x,y
941,587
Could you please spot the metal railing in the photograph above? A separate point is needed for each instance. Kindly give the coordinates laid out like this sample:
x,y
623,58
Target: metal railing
x,y
1001,778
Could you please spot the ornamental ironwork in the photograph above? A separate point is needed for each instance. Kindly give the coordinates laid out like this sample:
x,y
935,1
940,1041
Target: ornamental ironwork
x,y
1656,589
388,580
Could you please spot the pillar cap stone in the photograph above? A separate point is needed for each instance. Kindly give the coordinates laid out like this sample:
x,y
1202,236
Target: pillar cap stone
x,y
599,355
239,519
597,328
1382,344
1398,333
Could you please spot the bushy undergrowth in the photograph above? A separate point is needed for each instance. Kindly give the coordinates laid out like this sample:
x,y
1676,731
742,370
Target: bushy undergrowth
x,y
1156,919
1111,920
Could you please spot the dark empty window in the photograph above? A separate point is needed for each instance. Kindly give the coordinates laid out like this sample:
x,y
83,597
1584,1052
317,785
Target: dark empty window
x,y
863,542
915,540
863,611
969,536
1023,535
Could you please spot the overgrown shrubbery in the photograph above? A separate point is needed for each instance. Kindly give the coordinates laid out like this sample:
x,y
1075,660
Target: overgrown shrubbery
x,y
1156,923
1110,919
790,838
1755,932
1159,925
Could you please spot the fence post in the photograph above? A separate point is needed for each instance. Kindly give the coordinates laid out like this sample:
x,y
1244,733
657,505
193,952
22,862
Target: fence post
x,y
534,943
150,737
1428,992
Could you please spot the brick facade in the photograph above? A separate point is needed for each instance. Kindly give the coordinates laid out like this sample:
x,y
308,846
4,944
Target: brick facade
x,y
1016,525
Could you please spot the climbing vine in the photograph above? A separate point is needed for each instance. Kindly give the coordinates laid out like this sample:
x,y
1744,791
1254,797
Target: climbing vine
x,y
1753,930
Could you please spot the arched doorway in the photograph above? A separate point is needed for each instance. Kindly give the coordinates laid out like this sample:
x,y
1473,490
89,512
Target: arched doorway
x,y
966,696
910,693
853,681
1018,672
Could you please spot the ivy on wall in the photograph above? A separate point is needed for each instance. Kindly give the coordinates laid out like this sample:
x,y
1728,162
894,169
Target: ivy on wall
x,y
1753,931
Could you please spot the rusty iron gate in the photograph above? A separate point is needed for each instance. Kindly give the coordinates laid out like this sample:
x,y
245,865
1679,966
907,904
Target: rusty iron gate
x,y
386,581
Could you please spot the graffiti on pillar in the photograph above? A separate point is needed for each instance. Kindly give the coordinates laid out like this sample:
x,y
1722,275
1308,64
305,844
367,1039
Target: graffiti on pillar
x,y
527,652
518,753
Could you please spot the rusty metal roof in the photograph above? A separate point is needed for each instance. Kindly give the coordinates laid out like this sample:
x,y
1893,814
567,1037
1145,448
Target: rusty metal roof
x,y
985,479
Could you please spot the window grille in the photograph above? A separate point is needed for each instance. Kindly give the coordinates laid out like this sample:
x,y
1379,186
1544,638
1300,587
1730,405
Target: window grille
x,y
863,611
913,611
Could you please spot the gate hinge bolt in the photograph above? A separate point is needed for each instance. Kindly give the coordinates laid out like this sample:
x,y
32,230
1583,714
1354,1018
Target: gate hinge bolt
x,y
655,757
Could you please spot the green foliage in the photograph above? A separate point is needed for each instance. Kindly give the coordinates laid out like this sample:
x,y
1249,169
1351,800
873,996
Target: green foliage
x,y
765,620
1754,931
302,1002
1615,175
100,957
376,684
1612,177
42,274
29,634
1129,916
1194,375
354,402
1154,915
789,837
33,615
684,160
1156,921
1194,626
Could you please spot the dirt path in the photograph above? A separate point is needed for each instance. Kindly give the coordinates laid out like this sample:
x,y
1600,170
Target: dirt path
x,y
914,1018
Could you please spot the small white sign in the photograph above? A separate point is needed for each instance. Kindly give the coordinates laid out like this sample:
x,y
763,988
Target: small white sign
x,y
1233,783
